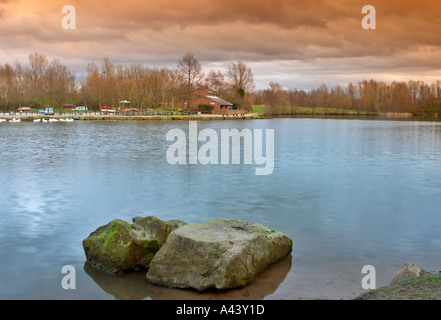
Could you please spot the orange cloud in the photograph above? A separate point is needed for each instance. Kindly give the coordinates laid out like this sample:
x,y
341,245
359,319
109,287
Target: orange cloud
x,y
306,32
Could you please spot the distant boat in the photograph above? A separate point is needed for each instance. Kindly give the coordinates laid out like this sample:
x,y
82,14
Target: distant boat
x,y
44,120
2,120
69,120
37,120
62,120
53,120
15,120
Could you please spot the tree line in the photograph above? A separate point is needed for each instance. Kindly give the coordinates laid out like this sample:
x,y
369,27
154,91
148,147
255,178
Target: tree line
x,y
42,83
416,97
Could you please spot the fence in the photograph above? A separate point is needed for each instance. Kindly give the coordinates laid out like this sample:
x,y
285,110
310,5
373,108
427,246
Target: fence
x,y
230,112
127,113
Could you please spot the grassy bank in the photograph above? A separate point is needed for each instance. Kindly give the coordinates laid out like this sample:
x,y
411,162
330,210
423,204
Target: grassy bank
x,y
428,288
260,110
321,111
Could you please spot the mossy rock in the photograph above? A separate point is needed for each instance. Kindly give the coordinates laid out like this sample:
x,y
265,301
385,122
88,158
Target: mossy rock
x,y
154,227
120,247
177,223
221,254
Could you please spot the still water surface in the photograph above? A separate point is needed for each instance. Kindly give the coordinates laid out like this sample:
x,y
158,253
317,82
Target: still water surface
x,y
348,192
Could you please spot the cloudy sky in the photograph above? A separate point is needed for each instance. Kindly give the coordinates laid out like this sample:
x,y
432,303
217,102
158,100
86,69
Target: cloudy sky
x,y
298,43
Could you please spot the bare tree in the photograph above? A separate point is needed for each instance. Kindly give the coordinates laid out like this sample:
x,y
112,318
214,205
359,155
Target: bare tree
x,y
323,96
110,83
93,87
338,98
57,83
8,86
215,81
36,79
191,71
174,83
240,77
274,98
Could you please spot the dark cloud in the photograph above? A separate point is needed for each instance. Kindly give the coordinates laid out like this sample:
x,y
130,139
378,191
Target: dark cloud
x,y
309,33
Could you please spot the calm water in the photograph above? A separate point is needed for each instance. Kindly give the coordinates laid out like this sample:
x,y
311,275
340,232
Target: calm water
x,y
348,192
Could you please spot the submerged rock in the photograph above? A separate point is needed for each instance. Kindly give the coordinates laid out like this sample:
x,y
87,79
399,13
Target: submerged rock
x,y
120,247
220,254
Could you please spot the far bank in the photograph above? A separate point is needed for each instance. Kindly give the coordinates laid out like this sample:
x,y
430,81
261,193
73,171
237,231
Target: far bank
x,y
96,116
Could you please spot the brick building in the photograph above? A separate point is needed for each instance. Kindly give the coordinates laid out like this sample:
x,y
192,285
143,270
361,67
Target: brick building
x,y
206,97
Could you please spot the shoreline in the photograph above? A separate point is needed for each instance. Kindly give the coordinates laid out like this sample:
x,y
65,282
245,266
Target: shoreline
x,y
424,288
107,117
211,117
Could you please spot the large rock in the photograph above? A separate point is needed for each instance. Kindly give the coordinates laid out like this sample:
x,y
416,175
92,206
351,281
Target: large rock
x,y
120,247
409,271
220,254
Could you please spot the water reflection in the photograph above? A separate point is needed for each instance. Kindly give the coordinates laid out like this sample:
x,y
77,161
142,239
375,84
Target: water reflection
x,y
348,192
135,286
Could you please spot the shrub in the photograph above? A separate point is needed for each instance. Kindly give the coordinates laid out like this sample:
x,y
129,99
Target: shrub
x,y
206,108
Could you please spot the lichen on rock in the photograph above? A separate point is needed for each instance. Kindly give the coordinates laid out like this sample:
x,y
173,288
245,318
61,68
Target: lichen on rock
x,y
221,254
120,247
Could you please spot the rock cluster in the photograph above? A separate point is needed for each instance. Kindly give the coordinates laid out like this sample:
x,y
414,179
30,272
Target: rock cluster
x,y
221,254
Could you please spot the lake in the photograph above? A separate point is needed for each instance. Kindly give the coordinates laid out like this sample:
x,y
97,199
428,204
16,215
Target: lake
x,y
349,193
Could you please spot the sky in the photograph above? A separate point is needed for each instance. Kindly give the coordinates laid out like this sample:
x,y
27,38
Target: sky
x,y
297,43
